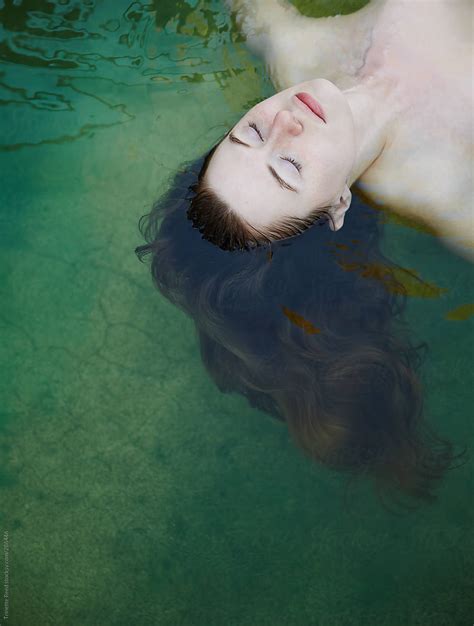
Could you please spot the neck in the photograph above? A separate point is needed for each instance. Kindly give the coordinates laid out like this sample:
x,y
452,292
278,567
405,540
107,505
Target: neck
x,y
373,114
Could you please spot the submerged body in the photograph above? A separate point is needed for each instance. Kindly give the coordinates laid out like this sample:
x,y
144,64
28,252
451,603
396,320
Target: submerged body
x,y
420,54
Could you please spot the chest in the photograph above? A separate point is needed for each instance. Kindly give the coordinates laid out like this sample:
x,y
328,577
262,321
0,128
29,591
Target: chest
x,y
425,48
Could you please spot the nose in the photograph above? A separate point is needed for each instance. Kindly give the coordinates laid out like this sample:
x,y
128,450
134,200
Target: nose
x,y
285,122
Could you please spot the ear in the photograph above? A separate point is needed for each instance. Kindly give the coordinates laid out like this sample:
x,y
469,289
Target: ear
x,y
338,210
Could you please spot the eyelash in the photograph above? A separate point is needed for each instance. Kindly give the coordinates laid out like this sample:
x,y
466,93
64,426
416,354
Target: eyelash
x,y
295,163
254,126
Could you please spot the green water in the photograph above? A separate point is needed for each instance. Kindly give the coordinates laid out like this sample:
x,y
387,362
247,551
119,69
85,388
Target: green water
x,y
132,490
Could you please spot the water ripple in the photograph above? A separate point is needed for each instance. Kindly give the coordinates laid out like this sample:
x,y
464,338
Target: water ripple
x,y
46,46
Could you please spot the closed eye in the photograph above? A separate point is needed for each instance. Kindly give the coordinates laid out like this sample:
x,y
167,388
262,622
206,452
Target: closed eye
x,y
295,163
256,129
290,159
272,170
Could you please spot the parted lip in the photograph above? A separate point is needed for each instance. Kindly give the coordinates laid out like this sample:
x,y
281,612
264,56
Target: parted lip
x,y
312,105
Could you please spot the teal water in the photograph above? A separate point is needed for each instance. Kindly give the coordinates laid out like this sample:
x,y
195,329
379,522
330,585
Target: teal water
x,y
132,490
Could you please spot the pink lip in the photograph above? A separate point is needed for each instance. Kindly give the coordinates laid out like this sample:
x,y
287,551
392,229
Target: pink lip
x,y
312,105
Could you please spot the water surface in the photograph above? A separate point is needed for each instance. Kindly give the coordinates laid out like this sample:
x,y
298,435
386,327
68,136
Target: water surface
x,y
133,491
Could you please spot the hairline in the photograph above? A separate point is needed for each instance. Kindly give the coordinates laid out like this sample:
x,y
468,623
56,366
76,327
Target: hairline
x,y
285,227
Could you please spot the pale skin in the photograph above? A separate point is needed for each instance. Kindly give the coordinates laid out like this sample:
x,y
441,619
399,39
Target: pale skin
x,y
395,83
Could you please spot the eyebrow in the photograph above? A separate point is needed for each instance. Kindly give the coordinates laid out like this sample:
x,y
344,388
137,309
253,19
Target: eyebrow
x,y
283,184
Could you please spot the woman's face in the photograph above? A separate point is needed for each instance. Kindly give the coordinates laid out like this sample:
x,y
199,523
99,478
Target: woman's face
x,y
281,159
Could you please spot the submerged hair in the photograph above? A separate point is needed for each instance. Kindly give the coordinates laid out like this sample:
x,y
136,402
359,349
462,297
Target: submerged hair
x,y
309,329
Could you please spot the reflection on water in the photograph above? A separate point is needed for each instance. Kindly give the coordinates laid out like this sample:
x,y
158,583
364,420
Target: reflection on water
x,y
94,56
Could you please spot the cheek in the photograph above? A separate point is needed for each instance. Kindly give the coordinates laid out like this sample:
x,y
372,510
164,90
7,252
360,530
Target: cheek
x,y
268,108
341,149
330,174
349,135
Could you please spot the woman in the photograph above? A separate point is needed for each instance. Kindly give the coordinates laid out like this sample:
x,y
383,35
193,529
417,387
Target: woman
x,y
308,328
391,110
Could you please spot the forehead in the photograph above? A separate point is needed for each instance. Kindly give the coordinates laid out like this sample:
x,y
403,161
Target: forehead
x,y
240,176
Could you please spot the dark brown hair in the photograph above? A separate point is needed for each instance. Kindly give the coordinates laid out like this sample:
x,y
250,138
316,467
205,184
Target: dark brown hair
x,y
310,330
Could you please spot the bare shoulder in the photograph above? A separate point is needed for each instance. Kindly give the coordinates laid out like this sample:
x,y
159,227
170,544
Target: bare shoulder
x,y
428,184
296,48
335,47
426,168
